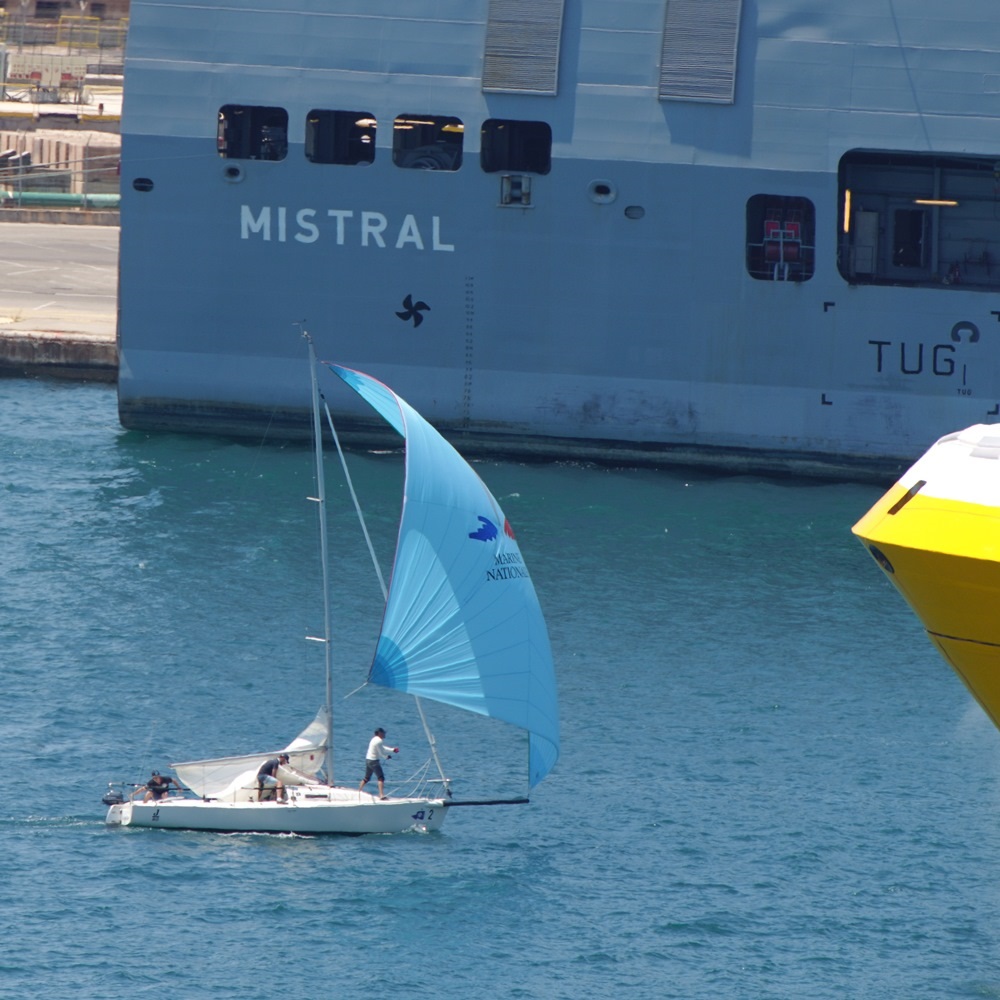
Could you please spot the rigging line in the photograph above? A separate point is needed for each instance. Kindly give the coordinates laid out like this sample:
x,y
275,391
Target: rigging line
x,y
433,744
146,754
354,499
351,694
265,434
416,782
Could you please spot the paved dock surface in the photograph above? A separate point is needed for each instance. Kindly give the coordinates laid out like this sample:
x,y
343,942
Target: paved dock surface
x,y
58,299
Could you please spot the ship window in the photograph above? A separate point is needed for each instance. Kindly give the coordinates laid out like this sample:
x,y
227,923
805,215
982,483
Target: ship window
x,y
921,219
908,241
252,133
346,137
514,145
781,238
426,142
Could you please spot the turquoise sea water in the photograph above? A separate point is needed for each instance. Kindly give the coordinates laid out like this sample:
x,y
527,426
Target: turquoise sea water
x,y
770,785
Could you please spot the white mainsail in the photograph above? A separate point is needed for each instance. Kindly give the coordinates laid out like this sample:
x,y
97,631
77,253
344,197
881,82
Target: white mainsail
x,y
234,779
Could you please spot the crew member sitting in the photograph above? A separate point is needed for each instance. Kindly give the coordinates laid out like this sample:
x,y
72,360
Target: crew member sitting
x,y
158,786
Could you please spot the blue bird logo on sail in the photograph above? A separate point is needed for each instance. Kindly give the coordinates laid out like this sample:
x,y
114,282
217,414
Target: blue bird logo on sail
x,y
486,531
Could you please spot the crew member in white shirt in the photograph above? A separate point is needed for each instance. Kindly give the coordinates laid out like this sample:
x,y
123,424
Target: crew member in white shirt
x,y
377,750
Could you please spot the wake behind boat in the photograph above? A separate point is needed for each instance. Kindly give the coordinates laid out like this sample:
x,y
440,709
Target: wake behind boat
x,y
936,535
462,626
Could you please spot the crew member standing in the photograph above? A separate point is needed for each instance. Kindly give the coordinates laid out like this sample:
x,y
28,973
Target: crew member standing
x,y
377,750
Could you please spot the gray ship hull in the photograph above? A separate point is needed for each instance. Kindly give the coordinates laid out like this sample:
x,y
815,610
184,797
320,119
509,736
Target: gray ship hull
x,y
630,302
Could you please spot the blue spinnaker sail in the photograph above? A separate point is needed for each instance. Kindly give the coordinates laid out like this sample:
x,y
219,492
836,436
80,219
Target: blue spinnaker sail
x,y
462,621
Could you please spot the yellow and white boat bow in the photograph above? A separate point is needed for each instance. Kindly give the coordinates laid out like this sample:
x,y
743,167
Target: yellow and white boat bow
x,y
936,535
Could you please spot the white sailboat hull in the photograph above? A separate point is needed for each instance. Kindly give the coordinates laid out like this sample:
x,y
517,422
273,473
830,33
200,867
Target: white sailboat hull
x,y
332,810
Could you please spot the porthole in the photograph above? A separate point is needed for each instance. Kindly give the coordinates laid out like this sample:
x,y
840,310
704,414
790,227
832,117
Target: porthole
x,y
634,212
232,174
142,184
602,192
881,558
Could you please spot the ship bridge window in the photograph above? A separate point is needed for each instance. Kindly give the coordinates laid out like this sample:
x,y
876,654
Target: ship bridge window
x,y
252,133
780,238
426,142
514,145
346,137
926,220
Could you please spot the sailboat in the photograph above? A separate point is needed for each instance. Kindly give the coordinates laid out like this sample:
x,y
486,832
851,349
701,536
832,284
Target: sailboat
x,y
936,535
462,625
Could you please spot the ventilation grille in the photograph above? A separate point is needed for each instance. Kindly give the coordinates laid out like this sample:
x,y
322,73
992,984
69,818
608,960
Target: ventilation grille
x,y
698,62
522,47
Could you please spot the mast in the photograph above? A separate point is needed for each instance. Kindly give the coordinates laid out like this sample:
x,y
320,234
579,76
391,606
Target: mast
x,y
320,499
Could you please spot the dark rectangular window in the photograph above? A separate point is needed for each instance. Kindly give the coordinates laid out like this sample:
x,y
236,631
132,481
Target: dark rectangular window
x,y
927,220
427,142
252,133
346,137
780,238
525,147
908,238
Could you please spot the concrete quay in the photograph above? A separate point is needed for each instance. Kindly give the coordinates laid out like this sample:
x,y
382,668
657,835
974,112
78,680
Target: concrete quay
x,y
58,299
90,357
59,266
